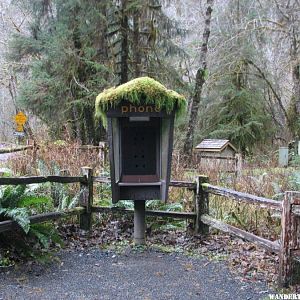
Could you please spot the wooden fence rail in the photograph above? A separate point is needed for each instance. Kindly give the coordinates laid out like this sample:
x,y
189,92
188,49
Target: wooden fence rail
x,y
11,225
288,246
41,179
239,196
154,213
269,245
180,184
82,210
15,149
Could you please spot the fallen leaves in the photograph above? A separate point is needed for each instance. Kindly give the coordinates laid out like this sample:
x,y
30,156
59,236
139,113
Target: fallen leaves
x,y
245,259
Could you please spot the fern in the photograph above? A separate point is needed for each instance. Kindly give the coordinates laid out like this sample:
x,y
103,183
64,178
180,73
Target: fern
x,y
11,196
28,201
19,215
46,233
42,238
16,203
125,204
75,200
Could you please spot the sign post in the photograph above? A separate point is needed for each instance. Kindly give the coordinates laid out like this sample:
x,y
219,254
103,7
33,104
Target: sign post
x,y
20,119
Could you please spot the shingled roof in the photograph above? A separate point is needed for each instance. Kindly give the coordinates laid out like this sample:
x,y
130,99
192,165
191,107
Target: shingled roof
x,y
214,145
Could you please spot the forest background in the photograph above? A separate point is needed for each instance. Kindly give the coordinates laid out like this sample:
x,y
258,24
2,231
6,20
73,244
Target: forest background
x,y
236,61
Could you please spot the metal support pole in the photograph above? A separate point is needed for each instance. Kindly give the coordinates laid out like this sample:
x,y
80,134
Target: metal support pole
x,y
139,222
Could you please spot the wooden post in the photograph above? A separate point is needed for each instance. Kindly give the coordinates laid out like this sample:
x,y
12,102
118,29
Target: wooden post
x,y
285,255
103,151
201,205
238,164
139,222
34,152
86,198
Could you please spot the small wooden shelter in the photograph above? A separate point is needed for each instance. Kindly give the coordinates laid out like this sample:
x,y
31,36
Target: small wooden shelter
x,y
215,148
217,154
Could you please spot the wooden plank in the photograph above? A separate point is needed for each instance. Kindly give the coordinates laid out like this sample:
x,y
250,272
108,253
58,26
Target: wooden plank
x,y
16,149
269,245
11,225
155,213
174,183
239,196
183,184
41,179
139,183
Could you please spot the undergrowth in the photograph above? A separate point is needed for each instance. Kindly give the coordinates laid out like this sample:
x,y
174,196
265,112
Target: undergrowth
x,y
18,203
260,176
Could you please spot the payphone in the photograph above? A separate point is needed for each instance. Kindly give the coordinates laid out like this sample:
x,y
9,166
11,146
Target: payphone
x,y
140,121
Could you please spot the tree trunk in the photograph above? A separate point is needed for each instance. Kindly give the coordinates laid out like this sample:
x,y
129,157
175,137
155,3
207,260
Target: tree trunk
x,y
296,87
200,80
79,125
89,124
124,44
136,41
296,81
71,126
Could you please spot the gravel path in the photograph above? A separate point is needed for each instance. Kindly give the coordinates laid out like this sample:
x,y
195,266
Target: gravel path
x,y
149,275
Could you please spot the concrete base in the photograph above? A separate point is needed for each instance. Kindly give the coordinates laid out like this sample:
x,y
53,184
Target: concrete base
x,y
139,222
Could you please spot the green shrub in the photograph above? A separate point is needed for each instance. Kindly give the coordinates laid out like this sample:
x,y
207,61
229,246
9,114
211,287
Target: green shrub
x,y
18,203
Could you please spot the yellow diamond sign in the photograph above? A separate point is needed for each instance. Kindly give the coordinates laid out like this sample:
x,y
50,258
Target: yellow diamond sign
x,y
20,118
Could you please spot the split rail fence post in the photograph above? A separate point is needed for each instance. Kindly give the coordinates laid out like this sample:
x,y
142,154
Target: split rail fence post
x,y
290,226
86,198
201,205
285,255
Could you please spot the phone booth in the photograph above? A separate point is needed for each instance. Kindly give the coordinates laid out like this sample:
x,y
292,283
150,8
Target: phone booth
x,y
140,121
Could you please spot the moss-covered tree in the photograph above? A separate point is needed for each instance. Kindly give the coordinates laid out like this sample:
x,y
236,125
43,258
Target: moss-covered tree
x,y
76,48
141,40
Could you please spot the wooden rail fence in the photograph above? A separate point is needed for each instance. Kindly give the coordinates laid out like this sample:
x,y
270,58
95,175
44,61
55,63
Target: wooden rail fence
x,y
15,149
288,247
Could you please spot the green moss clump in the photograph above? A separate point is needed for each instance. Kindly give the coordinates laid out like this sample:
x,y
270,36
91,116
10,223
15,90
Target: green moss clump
x,y
142,90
